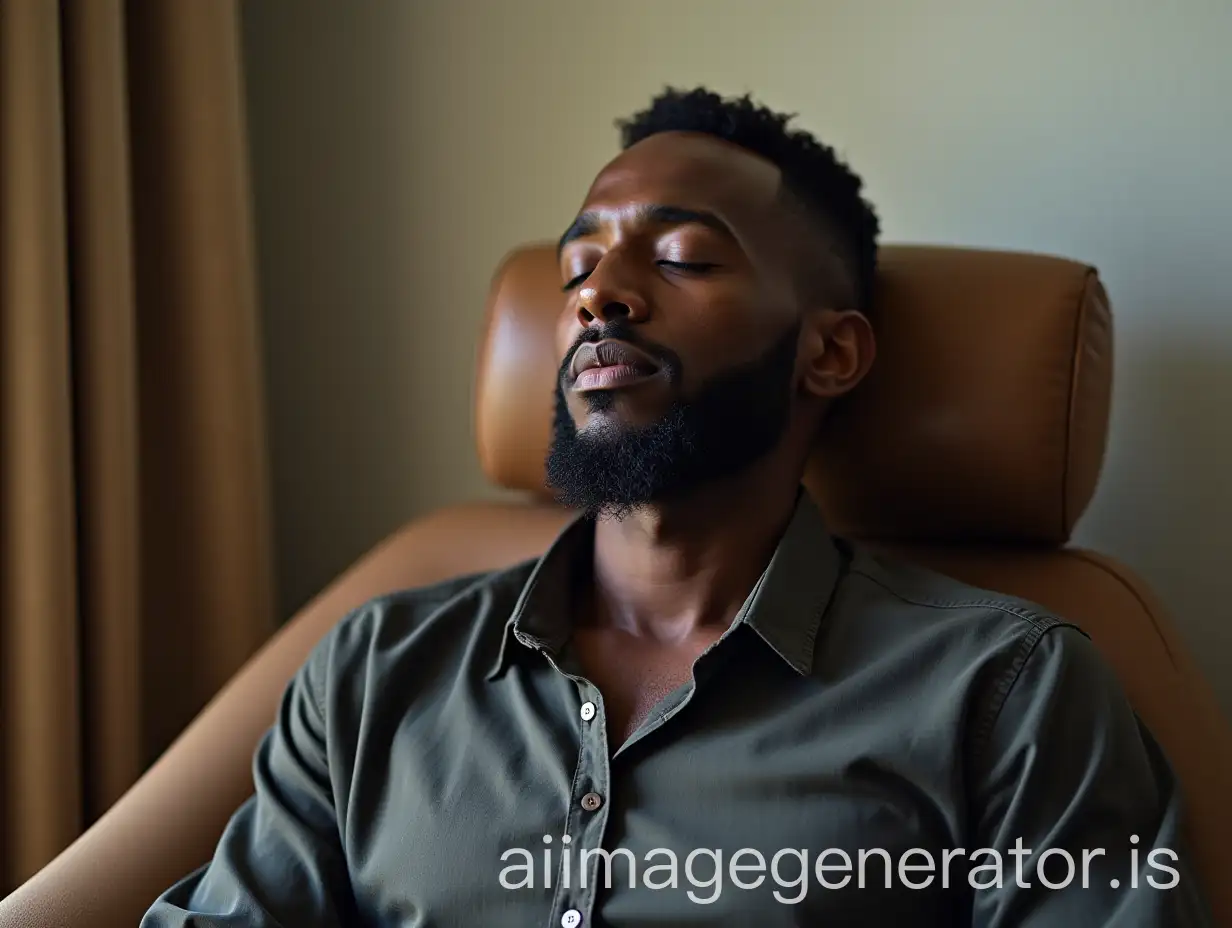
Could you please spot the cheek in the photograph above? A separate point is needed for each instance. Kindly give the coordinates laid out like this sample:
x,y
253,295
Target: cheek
x,y
733,303
717,330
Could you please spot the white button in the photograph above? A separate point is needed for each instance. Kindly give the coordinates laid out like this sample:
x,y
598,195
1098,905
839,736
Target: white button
x,y
573,917
588,713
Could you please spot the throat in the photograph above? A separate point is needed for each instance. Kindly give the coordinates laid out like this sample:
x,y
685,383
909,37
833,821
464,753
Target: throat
x,y
635,674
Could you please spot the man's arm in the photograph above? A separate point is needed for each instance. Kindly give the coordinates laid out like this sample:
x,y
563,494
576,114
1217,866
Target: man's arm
x,y
1066,764
280,861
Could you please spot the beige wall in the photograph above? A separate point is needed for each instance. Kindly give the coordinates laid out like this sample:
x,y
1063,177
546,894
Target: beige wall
x,y
402,146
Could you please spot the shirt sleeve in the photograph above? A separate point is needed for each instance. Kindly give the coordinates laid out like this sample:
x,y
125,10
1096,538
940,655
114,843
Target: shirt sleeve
x,y
280,861
1078,801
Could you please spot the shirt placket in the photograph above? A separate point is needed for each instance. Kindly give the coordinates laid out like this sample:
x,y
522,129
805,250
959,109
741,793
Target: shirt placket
x,y
577,876
576,889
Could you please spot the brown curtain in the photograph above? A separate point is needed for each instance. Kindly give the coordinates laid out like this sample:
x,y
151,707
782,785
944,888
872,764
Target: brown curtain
x,y
134,556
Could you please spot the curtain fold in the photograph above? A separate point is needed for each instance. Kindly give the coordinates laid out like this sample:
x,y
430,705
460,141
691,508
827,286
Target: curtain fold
x,y
135,568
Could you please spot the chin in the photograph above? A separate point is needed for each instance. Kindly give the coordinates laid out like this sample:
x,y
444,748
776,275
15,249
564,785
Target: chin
x,y
633,409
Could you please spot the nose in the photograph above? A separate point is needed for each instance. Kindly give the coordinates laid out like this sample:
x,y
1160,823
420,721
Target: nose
x,y
611,293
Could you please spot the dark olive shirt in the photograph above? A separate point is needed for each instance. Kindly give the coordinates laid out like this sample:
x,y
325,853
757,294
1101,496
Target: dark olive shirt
x,y
867,744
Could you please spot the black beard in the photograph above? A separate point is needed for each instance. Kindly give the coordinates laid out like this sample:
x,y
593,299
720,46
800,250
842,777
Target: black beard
x,y
736,418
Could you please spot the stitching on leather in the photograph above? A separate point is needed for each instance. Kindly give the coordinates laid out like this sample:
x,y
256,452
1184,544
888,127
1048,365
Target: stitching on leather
x,y
1070,416
1133,591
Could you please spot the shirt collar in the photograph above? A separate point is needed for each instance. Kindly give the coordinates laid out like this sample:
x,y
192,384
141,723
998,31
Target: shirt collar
x,y
785,607
540,618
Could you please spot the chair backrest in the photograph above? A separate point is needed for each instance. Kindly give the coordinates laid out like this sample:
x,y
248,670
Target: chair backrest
x,y
973,448
984,417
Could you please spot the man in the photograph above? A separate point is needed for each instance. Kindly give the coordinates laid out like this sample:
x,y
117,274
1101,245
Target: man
x,y
698,707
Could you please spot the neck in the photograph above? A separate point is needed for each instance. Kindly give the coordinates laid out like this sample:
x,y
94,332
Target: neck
x,y
666,570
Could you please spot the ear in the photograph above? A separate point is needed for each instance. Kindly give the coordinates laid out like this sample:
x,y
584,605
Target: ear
x,y
836,352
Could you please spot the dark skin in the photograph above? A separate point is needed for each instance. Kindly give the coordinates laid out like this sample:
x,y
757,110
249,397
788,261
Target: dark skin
x,y
716,278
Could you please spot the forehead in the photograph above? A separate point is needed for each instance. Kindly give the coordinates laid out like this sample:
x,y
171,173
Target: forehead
x,y
690,170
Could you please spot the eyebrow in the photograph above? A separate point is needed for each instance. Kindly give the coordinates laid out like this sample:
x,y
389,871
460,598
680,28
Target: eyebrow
x,y
590,222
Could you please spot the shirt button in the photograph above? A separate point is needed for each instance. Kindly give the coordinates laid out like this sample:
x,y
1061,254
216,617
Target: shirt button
x,y
591,801
571,919
588,711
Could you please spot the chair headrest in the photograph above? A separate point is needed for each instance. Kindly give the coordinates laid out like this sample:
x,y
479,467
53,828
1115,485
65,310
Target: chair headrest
x,y
984,418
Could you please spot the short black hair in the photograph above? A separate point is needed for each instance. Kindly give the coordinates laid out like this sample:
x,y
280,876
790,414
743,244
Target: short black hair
x,y
826,187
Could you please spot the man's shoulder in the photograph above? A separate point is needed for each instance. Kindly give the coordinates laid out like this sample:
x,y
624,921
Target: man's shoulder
x,y
943,643
438,616
888,609
889,586
936,593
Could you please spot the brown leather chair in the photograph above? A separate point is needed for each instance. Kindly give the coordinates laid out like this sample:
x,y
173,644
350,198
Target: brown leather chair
x,y
973,447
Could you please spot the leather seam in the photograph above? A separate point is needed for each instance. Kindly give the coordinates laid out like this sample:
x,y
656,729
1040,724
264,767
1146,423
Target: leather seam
x,y
1080,319
1133,591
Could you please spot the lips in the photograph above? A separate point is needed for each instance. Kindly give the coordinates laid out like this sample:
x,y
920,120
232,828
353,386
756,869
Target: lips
x,y
617,355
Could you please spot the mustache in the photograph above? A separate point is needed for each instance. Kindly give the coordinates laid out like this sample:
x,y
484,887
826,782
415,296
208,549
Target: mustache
x,y
622,331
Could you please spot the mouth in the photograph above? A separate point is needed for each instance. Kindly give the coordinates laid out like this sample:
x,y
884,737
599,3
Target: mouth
x,y
610,365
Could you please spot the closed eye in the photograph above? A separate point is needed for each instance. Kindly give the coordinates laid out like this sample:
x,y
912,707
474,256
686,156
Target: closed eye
x,y
691,267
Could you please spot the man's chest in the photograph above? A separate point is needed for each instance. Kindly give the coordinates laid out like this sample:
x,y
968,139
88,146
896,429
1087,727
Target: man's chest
x,y
508,802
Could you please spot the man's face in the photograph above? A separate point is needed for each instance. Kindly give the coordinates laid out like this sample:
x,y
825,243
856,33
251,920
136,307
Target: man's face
x,y
679,335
